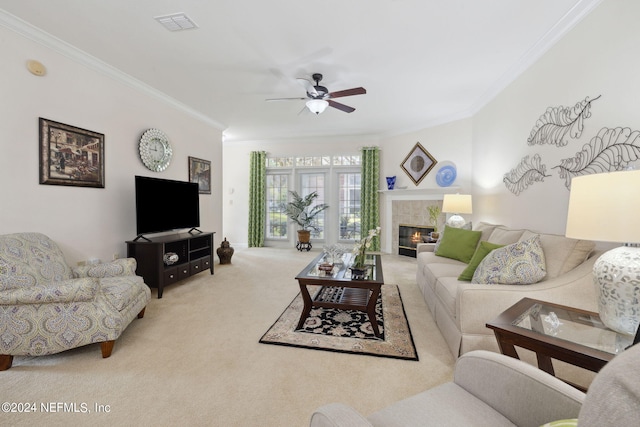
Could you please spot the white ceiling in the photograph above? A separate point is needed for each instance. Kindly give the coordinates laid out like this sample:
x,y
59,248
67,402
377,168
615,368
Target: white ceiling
x,y
423,62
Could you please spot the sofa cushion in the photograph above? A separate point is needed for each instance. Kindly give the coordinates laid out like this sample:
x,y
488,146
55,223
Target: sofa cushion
x,y
486,229
561,253
467,226
482,251
504,235
447,291
520,263
458,243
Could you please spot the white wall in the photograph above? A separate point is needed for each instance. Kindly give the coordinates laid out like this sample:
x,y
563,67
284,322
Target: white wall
x,y
236,173
88,222
598,57
450,142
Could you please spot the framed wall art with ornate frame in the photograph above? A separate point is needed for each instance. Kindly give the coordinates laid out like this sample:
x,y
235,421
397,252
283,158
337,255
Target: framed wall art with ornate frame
x,y
200,172
418,163
70,155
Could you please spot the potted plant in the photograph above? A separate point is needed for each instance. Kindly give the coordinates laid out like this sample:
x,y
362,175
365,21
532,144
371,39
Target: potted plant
x,y
360,249
434,216
300,211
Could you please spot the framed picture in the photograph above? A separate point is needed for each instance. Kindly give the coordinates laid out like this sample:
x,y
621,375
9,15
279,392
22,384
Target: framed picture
x,y
70,155
200,172
418,163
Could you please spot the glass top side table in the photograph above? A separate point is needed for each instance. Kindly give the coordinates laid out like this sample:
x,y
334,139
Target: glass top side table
x,y
555,331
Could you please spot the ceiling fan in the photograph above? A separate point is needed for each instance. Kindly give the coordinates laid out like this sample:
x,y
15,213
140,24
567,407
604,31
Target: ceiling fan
x,y
319,97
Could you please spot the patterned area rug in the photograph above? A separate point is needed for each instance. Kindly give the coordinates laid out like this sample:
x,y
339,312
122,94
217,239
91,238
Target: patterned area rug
x,y
348,331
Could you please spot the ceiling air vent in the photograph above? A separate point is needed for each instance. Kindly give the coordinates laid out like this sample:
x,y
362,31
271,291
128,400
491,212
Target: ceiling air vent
x,y
176,22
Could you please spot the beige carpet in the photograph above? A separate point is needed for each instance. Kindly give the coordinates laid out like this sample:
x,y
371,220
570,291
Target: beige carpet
x,y
195,358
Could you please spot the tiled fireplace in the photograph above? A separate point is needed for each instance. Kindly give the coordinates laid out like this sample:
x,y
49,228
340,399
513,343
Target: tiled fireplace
x,y
409,236
407,207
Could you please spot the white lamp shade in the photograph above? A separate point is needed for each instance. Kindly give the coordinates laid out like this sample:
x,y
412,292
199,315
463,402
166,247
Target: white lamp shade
x,y
317,105
457,203
605,207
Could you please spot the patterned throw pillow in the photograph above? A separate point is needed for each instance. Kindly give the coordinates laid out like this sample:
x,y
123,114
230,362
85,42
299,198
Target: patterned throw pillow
x,y
483,249
520,263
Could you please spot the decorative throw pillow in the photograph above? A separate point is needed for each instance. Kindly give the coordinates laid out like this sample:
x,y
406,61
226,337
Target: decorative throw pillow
x,y
520,263
467,226
458,243
482,251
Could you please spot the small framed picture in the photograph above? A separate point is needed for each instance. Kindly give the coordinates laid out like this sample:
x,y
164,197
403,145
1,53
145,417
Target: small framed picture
x,y
200,172
418,163
70,155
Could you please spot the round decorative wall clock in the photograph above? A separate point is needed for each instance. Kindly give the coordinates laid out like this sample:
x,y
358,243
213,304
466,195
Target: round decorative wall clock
x,y
155,150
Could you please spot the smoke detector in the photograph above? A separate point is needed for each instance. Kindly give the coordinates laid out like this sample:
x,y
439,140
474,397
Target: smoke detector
x,y
176,22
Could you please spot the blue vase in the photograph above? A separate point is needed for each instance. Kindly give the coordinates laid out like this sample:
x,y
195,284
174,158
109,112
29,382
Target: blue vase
x,y
391,182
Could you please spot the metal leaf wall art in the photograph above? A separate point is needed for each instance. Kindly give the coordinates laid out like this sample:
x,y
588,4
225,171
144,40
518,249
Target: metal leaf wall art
x,y
558,123
529,170
610,150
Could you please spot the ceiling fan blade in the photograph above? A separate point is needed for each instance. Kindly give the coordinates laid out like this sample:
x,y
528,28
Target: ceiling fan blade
x,y
342,107
285,99
348,92
308,86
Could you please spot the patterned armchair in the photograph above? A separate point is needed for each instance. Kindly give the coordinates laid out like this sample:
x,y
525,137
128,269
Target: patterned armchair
x,y
46,307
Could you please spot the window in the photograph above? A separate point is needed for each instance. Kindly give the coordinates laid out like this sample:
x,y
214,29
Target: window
x,y
277,189
335,178
310,182
349,205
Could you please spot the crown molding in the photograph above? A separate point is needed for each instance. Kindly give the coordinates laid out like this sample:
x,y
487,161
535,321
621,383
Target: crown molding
x,y
559,30
45,39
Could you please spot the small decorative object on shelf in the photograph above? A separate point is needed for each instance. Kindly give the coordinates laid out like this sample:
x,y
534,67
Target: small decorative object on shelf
x,y
326,267
391,182
358,268
334,253
358,273
170,258
434,217
446,175
225,252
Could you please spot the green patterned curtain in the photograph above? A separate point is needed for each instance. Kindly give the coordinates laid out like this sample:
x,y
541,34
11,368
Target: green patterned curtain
x,y
257,198
370,216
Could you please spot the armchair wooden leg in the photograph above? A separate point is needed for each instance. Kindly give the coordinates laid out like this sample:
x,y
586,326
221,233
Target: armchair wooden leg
x,y
141,314
5,362
107,348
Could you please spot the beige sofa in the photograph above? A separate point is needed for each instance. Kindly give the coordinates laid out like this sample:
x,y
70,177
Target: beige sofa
x,y
461,309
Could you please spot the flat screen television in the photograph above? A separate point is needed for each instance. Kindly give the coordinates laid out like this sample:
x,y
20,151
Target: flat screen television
x,y
164,205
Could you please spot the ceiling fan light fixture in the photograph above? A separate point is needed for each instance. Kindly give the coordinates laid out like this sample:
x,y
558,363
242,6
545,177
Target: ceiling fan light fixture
x,y
317,105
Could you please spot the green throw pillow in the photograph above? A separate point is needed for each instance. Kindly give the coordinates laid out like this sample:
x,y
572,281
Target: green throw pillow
x,y
458,243
482,251
572,422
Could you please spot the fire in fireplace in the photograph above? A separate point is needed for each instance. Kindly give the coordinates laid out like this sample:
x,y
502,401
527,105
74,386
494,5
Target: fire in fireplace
x,y
409,236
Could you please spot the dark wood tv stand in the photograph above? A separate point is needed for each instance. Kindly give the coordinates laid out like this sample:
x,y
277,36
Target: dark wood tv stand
x,y
194,250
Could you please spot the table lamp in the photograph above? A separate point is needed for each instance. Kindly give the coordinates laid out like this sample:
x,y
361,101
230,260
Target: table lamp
x,y
606,207
456,204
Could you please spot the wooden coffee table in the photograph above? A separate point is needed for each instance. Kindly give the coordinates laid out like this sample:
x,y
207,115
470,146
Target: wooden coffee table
x,y
338,290
555,331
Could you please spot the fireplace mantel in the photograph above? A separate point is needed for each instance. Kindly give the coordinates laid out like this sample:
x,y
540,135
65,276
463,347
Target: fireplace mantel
x,y
389,196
